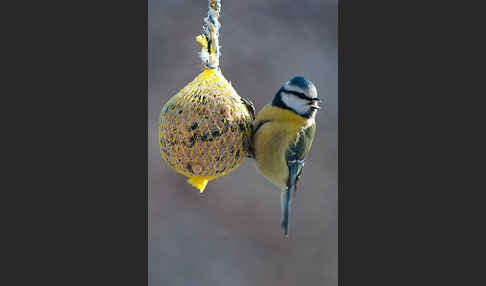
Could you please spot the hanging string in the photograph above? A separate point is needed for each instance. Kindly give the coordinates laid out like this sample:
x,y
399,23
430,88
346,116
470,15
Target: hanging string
x,y
210,44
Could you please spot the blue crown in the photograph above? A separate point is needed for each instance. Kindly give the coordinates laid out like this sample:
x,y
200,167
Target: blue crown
x,y
301,82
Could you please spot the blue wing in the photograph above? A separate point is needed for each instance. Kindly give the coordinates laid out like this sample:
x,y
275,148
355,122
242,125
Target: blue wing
x,y
295,157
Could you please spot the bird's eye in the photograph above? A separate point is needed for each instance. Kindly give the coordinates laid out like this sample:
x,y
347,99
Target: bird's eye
x,y
298,94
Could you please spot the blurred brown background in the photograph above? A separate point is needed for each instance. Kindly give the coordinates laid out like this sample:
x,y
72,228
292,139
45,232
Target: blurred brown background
x,y
230,235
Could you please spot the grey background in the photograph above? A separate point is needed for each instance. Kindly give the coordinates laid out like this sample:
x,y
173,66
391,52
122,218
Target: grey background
x,y
230,234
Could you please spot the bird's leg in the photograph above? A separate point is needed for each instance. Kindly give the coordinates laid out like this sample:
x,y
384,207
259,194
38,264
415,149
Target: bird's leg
x,y
250,152
251,109
251,155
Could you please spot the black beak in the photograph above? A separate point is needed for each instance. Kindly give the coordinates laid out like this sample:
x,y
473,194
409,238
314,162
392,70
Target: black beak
x,y
314,103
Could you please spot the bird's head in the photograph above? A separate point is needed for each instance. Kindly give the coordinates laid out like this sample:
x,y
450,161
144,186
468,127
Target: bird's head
x,y
298,95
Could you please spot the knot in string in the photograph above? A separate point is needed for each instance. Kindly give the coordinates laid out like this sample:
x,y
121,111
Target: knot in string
x,y
210,44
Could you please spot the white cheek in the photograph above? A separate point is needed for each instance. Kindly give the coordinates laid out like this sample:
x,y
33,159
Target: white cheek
x,y
298,104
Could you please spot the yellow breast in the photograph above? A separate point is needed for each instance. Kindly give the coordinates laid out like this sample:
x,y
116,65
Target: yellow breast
x,y
271,141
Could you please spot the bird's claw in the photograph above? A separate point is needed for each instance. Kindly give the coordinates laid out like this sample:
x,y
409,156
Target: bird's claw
x,y
249,150
251,154
249,105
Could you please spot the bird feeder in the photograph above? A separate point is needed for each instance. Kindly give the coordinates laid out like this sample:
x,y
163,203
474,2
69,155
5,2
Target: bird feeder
x,y
205,129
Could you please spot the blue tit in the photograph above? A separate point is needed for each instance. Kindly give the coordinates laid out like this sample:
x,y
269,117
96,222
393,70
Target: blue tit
x,y
283,132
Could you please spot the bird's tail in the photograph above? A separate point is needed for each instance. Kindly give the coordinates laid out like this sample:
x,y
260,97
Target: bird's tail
x,y
285,199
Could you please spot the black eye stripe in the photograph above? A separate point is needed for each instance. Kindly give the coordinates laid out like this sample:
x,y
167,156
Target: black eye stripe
x,y
298,94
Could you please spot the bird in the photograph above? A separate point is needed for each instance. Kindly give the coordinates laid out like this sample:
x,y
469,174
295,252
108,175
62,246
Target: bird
x,y
282,136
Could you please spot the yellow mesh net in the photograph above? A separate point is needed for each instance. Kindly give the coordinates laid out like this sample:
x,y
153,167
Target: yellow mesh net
x,y
204,129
